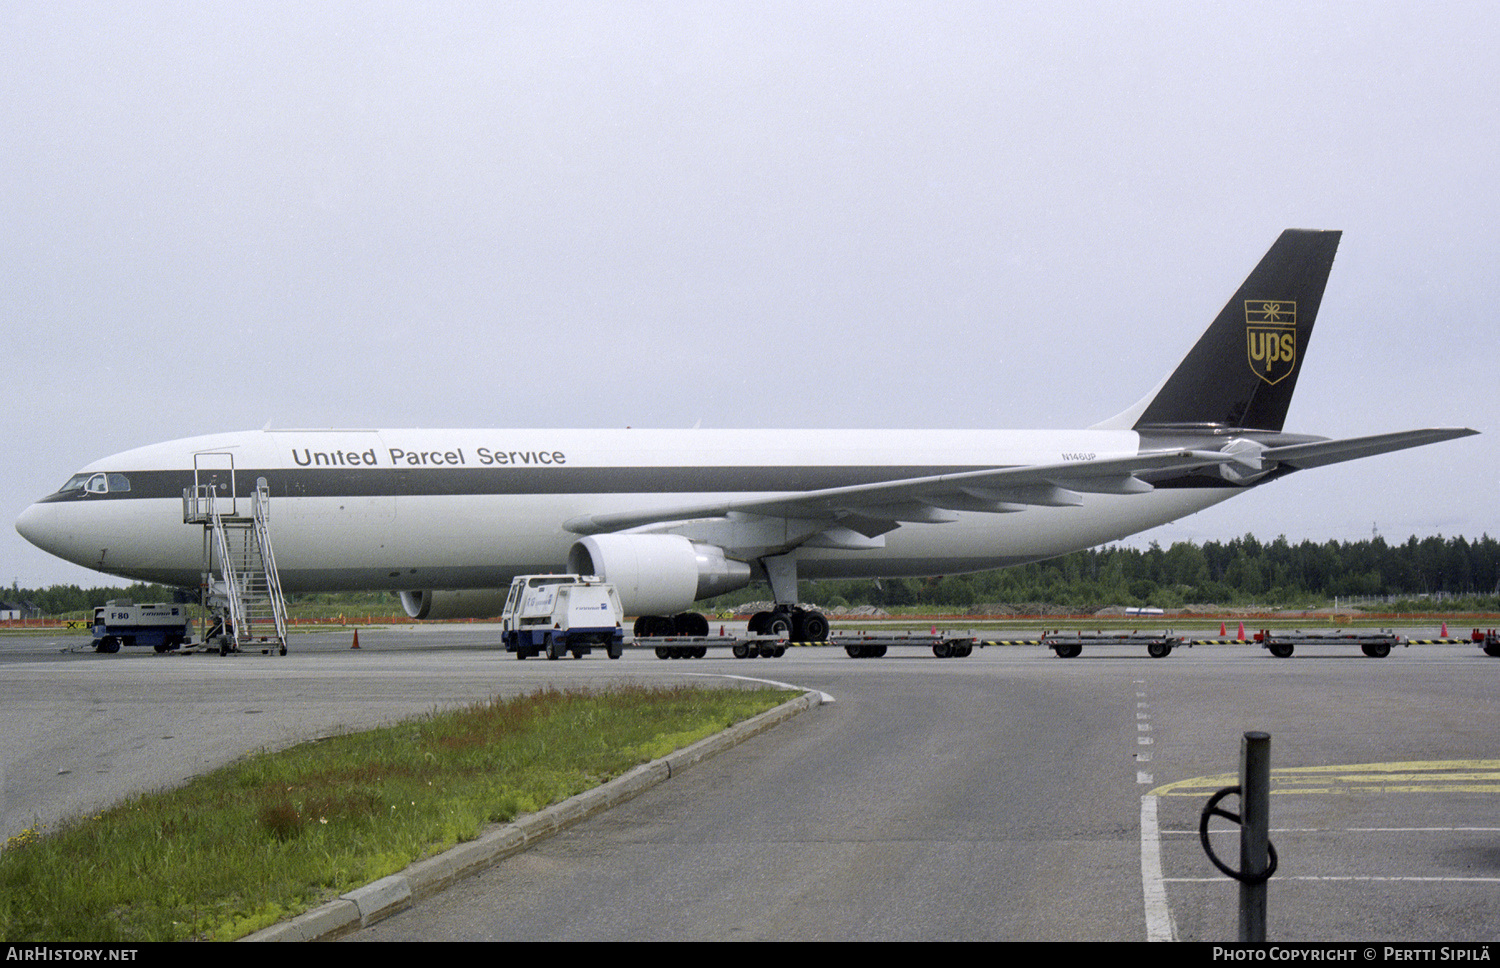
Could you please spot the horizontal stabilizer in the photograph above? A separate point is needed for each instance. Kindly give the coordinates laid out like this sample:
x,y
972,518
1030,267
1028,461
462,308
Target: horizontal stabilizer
x,y
1323,452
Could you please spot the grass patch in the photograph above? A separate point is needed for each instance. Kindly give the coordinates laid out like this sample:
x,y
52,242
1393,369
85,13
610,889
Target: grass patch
x,y
279,833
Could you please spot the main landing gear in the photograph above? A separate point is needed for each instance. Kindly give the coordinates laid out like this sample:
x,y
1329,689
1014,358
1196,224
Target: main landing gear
x,y
784,622
792,622
786,619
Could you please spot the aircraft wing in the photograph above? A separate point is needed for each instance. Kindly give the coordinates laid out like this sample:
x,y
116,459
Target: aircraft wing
x,y
873,509
1322,452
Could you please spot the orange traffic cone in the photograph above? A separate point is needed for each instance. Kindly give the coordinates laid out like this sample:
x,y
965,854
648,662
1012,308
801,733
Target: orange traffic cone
x,y
356,640
1445,631
1223,629
1242,632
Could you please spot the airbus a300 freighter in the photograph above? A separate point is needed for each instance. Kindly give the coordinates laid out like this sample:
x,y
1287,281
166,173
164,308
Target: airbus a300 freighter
x,y
448,517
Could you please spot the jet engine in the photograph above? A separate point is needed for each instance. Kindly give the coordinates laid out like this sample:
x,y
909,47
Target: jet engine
x,y
464,603
657,574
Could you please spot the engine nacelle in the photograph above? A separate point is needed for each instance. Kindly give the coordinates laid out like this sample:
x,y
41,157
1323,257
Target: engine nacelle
x,y
464,603
657,574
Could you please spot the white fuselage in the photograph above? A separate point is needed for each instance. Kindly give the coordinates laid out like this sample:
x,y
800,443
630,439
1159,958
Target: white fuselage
x,y
451,509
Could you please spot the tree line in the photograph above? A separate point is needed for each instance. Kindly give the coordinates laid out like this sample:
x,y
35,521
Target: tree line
x,y
64,599
1241,571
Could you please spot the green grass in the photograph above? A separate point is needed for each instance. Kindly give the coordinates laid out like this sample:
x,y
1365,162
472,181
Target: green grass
x,y
279,833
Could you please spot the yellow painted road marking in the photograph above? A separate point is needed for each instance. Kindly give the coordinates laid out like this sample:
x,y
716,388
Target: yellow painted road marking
x,y
1408,776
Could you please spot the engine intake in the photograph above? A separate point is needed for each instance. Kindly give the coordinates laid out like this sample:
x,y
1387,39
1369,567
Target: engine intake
x,y
657,574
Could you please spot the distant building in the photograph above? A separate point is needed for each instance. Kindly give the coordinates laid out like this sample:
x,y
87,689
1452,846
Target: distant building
x,y
10,612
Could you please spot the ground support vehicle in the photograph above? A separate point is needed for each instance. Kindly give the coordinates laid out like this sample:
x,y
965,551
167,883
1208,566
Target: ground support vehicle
x,y
786,622
1069,645
1375,644
694,646
163,627
687,636
1488,640
857,645
558,614
697,646
862,645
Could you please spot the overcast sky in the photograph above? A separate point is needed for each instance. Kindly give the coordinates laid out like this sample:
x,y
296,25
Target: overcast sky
x,y
740,215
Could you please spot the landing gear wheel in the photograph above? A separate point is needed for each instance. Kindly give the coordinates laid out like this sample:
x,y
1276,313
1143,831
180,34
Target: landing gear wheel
x,y
690,623
814,627
778,625
655,627
1159,650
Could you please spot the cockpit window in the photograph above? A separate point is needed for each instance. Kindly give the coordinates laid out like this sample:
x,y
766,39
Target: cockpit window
x,y
96,483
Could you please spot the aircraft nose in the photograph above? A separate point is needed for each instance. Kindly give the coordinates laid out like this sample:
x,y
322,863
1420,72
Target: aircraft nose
x,y
29,524
39,525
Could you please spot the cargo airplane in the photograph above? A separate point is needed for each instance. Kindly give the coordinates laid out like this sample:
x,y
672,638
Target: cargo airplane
x,y
447,517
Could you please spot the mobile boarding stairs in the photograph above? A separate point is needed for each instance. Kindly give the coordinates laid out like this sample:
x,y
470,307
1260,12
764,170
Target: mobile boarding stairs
x,y
240,589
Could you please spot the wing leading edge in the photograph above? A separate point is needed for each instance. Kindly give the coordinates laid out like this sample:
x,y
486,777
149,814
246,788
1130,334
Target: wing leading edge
x,y
857,516
873,509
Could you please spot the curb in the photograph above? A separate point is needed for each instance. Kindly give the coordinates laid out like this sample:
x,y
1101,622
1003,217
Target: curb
x,y
389,895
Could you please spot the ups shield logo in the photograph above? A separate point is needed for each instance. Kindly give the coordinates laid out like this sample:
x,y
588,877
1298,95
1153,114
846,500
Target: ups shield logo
x,y
1271,337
